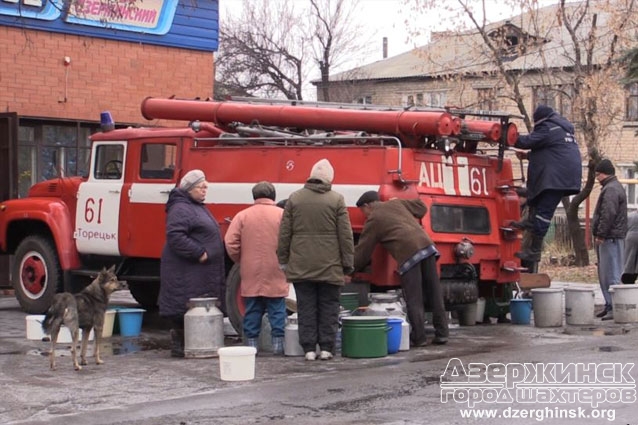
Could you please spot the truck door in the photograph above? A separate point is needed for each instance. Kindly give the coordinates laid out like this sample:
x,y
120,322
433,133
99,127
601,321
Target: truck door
x,y
144,221
98,207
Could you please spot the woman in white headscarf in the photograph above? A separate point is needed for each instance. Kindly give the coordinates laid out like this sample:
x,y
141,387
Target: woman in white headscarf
x,y
192,263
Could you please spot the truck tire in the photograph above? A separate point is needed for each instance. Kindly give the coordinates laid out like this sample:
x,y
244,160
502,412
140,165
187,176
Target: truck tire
x,y
36,274
235,307
145,293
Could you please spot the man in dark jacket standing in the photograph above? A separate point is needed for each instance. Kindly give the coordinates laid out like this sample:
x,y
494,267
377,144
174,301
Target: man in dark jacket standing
x,y
394,225
554,171
192,263
609,228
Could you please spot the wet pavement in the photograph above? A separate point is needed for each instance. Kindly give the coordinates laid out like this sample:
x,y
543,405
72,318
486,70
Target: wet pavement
x,y
141,384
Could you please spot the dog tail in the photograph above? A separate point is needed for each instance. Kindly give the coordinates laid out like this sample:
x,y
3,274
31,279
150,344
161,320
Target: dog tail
x,y
56,310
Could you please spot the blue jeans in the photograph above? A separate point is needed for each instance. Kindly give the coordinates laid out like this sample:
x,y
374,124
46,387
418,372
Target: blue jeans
x,y
610,265
255,309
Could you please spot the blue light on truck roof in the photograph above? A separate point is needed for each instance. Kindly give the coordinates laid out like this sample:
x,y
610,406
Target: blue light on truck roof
x,y
106,121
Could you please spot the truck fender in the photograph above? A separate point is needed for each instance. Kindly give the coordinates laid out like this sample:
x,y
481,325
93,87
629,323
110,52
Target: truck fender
x,y
54,214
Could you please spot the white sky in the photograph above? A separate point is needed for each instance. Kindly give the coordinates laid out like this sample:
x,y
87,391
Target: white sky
x,y
387,18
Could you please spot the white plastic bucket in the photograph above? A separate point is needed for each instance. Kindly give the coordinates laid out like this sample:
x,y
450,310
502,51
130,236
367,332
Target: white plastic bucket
x,y
624,300
237,363
579,306
480,309
35,332
109,320
547,304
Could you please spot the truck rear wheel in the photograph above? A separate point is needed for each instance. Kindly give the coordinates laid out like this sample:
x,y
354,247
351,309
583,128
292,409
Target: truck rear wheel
x,y
37,275
235,307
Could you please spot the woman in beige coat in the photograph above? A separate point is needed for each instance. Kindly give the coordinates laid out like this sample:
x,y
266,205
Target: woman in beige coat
x,y
251,241
316,249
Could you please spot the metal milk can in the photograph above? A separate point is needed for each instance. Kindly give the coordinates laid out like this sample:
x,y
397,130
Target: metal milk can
x,y
203,328
405,336
291,335
385,304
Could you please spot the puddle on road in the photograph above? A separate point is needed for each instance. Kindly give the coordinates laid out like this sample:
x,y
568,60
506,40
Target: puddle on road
x,y
116,346
113,348
596,331
609,348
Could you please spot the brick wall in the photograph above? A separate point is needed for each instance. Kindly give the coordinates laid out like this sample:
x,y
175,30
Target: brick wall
x,y
103,75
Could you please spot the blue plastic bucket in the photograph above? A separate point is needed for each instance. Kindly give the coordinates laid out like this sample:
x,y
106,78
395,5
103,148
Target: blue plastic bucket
x,y
521,311
394,334
130,321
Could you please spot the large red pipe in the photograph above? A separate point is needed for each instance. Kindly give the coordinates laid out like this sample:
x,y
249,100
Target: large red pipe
x,y
400,123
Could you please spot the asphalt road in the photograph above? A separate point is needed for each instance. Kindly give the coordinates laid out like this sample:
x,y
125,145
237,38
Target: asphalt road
x,y
140,384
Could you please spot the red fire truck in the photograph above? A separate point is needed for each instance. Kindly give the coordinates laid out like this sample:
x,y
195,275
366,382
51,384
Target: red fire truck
x,y
452,159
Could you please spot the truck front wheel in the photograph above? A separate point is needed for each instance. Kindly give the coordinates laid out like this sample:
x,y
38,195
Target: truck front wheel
x,y
36,274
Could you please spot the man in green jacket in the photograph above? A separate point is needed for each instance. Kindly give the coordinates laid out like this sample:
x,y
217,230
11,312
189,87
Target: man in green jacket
x,y
393,224
316,250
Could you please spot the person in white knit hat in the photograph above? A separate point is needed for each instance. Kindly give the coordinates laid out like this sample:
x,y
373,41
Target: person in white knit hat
x,y
315,250
192,263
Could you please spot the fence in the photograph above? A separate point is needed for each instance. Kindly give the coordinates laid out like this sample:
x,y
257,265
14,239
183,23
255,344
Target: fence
x,y
558,233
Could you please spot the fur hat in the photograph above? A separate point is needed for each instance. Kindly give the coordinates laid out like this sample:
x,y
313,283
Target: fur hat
x,y
264,189
322,171
191,179
367,198
606,167
541,112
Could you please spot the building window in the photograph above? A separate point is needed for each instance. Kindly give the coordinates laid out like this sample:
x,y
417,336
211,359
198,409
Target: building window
x,y
364,100
558,97
632,103
486,99
435,99
629,174
52,149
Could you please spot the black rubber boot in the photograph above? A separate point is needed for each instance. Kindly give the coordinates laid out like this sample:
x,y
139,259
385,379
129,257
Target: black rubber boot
x,y
533,252
177,343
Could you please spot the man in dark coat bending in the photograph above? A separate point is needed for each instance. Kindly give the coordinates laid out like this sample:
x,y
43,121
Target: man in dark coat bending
x,y
393,224
554,171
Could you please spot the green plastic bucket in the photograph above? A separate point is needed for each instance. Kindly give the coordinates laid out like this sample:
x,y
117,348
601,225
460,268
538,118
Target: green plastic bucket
x,y
364,336
349,300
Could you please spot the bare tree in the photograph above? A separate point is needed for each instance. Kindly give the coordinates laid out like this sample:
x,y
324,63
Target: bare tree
x,y
582,68
336,35
272,47
262,51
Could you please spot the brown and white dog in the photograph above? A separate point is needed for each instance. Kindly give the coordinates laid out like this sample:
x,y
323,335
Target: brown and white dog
x,y
84,310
